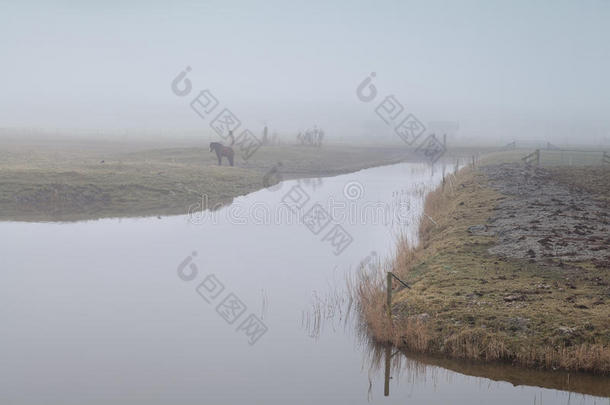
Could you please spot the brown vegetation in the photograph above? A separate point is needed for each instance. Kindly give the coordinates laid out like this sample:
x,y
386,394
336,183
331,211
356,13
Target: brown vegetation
x,y
467,303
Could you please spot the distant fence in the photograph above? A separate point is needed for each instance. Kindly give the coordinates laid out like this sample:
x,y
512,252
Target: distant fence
x,y
567,157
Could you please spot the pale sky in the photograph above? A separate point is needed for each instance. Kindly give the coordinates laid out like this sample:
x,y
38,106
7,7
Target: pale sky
x,y
516,69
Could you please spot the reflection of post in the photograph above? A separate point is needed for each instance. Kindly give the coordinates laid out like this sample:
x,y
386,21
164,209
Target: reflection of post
x,y
386,386
389,297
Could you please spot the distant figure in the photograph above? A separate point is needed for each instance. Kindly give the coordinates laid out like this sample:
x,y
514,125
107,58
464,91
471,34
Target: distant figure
x,y
232,138
308,137
311,137
221,151
265,136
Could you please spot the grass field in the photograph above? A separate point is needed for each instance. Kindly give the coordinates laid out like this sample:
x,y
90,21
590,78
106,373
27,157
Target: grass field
x,y
572,157
71,179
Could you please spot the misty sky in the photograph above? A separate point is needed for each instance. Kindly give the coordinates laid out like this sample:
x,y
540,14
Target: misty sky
x,y
517,69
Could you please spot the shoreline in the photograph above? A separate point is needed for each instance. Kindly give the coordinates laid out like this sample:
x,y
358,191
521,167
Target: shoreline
x,y
70,179
75,185
478,294
499,371
218,206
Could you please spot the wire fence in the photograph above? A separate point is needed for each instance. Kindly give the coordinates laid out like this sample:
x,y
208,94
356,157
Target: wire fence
x,y
567,157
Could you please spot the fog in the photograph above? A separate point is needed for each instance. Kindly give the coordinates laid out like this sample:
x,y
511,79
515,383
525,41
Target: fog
x,y
501,71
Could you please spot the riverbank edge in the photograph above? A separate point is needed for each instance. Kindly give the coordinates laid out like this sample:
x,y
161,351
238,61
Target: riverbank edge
x,y
415,327
247,181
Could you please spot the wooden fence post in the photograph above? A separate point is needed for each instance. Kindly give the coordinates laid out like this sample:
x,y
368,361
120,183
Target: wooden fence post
x,y
389,296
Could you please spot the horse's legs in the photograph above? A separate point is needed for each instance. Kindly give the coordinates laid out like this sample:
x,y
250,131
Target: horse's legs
x,y
219,156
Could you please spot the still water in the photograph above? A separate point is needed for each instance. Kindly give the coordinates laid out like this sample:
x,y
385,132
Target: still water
x,y
220,308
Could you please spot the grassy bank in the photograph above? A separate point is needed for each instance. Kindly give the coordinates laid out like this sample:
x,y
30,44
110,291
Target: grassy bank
x,y
540,311
71,179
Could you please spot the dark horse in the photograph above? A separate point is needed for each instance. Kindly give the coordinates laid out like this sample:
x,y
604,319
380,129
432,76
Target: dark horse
x,y
221,151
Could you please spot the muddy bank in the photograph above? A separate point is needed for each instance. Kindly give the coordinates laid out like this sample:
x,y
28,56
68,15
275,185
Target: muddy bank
x,y
542,218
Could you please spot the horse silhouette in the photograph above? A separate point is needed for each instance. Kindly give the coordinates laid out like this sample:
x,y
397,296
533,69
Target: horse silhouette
x,y
221,151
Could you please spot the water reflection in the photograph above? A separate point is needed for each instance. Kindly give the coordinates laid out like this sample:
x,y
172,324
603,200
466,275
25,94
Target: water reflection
x,y
418,369
94,312
336,308
313,183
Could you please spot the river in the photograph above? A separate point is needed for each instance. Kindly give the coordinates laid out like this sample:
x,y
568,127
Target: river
x,y
240,305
